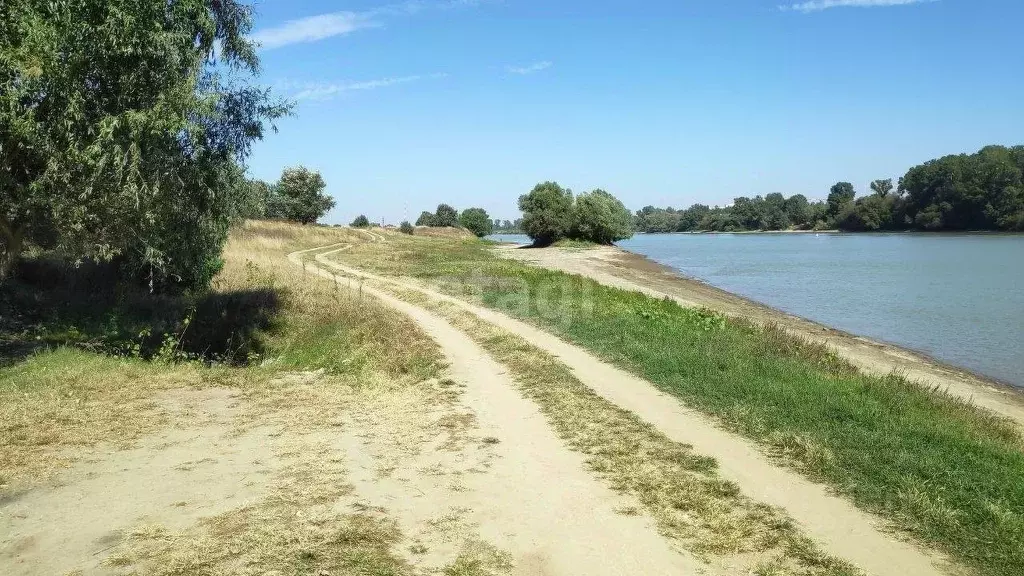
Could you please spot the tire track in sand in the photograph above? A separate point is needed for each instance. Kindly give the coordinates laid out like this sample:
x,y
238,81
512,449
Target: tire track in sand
x,y
834,523
539,503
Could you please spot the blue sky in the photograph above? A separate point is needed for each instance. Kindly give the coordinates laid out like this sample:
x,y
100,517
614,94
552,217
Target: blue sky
x,y
471,102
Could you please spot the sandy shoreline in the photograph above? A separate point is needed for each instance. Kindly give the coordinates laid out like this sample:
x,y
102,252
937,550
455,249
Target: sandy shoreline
x,y
617,267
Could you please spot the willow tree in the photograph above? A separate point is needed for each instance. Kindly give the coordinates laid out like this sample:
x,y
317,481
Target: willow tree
x,y
122,124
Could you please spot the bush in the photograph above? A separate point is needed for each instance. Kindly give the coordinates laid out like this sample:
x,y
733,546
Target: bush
x,y
547,213
406,228
446,217
477,221
361,221
601,218
425,219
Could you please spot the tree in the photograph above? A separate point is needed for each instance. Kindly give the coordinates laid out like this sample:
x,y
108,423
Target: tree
x,y
477,221
798,210
981,191
425,219
446,217
600,217
302,191
406,228
122,124
361,221
840,195
882,187
547,213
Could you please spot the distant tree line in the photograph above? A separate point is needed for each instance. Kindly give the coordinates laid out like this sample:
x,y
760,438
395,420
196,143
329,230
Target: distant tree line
x,y
551,213
297,196
508,226
981,191
476,220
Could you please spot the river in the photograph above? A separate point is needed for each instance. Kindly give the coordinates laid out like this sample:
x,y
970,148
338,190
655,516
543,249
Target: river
x,y
956,297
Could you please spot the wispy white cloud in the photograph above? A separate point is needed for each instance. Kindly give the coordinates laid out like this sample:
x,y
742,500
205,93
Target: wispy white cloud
x,y
328,91
312,29
322,26
530,68
819,5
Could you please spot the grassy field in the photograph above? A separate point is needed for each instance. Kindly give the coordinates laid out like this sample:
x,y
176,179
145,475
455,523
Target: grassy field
x,y
936,468
84,365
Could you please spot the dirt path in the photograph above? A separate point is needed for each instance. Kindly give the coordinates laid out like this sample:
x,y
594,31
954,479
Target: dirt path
x,y
535,501
615,267
835,524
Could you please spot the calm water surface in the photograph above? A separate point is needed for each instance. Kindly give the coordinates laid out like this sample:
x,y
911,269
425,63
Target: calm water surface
x,y
958,298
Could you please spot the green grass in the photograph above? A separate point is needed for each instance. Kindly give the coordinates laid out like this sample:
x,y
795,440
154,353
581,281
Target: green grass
x,y
934,466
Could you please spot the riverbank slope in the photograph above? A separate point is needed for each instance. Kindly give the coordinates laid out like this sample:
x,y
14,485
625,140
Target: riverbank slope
x,y
620,268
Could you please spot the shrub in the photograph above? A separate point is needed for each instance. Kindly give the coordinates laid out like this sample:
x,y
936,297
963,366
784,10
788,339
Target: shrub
x,y
601,218
406,228
547,213
361,221
477,221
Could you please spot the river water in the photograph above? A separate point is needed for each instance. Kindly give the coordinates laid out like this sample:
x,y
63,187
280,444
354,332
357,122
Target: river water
x,y
957,298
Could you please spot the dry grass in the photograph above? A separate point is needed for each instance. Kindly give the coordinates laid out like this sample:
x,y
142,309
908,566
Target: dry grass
x,y
325,356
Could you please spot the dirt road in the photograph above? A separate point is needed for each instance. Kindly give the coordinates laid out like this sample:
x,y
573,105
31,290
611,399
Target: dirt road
x,y
835,524
535,500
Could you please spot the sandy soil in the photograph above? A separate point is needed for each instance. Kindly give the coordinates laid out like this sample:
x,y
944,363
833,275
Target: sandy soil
x,y
198,468
835,524
532,497
616,267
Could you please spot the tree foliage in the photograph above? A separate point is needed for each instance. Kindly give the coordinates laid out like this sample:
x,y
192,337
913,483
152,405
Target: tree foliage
x,y
407,228
477,221
547,213
446,217
361,221
982,191
600,217
122,123
425,219
299,196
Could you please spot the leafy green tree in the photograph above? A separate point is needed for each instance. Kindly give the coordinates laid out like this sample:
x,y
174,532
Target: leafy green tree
x,y
798,210
981,191
303,191
361,221
477,221
839,197
446,217
600,217
882,187
122,123
426,219
406,228
691,218
547,213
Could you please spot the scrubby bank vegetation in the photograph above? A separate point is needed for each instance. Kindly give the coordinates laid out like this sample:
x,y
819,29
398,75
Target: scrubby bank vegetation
x,y
551,214
476,220
981,191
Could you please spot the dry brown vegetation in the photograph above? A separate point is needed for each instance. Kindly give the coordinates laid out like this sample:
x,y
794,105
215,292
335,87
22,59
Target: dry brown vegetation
x,y
330,365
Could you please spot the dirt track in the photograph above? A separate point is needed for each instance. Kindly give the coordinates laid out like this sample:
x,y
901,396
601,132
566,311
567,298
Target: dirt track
x,y
616,267
835,524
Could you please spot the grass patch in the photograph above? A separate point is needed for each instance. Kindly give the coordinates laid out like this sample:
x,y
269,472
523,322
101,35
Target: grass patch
x,y
938,468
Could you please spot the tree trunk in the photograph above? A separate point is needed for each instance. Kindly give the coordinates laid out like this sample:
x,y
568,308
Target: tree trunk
x,y
13,243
